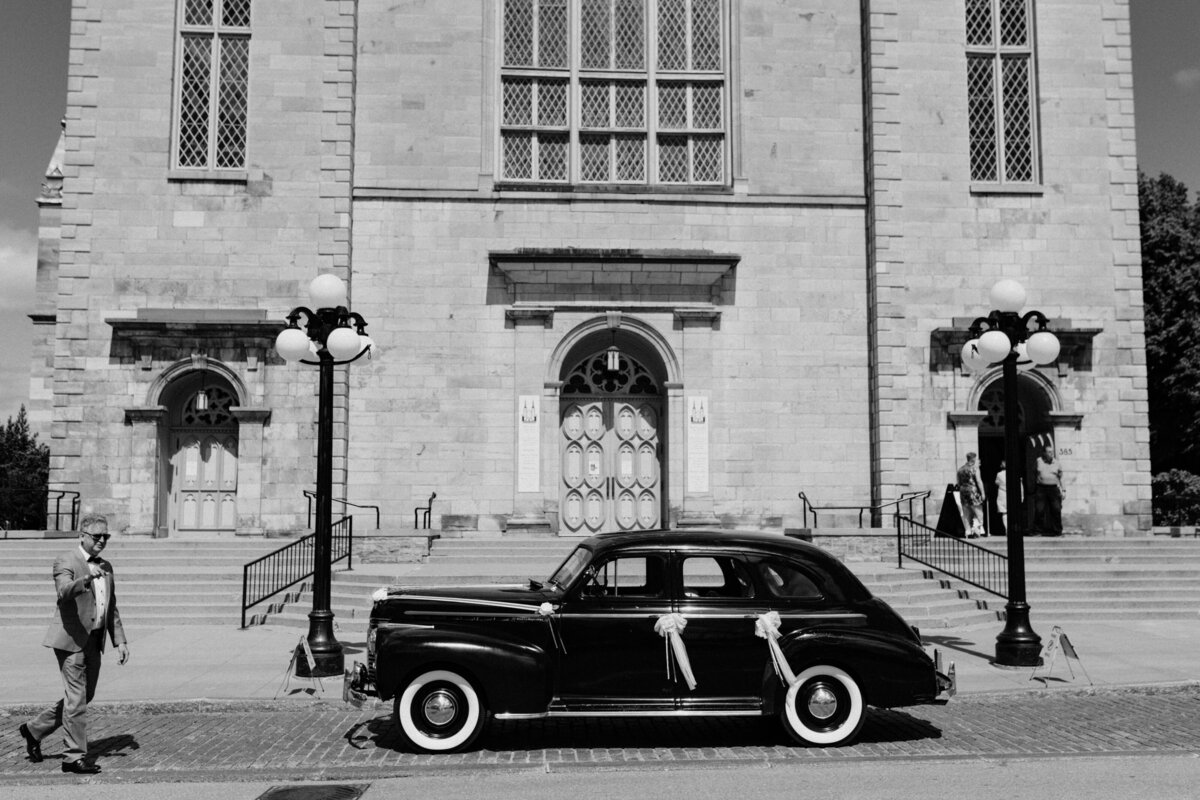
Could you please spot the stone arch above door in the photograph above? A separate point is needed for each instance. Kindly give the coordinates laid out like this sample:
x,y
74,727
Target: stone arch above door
x,y
628,333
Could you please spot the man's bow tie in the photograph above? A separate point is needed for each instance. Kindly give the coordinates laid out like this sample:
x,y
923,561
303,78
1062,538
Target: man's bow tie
x,y
94,560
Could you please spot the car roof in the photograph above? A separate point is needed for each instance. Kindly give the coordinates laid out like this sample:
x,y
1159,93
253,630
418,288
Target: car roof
x,y
758,540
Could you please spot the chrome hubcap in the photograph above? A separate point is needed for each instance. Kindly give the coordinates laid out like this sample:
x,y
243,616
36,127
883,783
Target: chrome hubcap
x,y
440,708
822,703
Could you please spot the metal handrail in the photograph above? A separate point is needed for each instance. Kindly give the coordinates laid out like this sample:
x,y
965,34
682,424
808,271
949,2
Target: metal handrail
x,y
958,558
423,512
280,569
906,497
312,497
73,510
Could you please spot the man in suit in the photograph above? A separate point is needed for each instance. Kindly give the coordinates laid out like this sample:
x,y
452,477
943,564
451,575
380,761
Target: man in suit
x,y
84,616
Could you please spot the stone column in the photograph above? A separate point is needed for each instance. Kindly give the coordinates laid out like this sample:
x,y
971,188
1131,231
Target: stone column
x,y
250,468
145,474
532,416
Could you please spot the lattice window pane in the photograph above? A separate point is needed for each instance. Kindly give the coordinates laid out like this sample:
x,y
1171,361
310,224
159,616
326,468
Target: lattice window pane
x,y
552,103
518,155
707,159
630,34
631,158
235,13
594,157
198,12
979,23
982,109
231,121
672,35
594,104
706,106
595,34
518,33
196,81
706,35
518,101
552,33
1014,25
672,159
630,105
672,105
1018,123
552,156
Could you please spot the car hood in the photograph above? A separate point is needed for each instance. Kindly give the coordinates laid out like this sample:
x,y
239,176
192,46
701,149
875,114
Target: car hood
x,y
499,597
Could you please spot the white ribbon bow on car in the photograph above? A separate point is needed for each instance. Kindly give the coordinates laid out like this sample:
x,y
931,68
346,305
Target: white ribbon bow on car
x,y
670,627
767,627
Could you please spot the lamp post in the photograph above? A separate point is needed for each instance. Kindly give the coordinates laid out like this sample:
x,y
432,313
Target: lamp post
x,y
333,335
1006,336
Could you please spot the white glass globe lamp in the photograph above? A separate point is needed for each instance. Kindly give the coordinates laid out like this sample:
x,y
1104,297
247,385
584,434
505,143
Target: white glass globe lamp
x,y
343,344
1024,362
1007,295
994,346
971,356
327,291
1043,347
365,342
292,344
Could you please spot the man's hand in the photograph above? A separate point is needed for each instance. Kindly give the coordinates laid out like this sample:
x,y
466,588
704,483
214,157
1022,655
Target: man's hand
x,y
123,652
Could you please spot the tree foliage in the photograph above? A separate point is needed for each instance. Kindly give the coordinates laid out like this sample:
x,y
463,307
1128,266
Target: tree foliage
x,y
24,474
1171,288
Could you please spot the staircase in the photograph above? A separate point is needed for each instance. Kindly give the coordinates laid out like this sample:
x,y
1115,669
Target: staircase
x,y
1144,578
159,581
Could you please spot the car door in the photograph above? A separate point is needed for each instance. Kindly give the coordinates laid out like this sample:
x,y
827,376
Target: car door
x,y
612,657
717,595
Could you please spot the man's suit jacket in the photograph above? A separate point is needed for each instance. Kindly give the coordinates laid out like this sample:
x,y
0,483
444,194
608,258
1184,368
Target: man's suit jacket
x,y
75,611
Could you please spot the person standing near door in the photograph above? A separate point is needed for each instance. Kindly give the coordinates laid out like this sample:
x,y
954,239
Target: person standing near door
x,y
84,616
1048,495
970,491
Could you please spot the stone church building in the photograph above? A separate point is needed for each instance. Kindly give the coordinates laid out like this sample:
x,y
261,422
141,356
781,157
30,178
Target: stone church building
x,y
627,263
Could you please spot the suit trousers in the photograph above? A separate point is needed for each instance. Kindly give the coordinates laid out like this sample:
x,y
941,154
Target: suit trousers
x,y
80,672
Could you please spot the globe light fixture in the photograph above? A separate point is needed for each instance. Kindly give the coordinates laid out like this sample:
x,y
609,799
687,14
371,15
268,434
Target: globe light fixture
x,y
1018,342
332,335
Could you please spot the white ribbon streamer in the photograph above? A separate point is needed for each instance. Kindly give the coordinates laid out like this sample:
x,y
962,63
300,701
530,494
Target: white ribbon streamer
x,y
547,611
670,627
767,627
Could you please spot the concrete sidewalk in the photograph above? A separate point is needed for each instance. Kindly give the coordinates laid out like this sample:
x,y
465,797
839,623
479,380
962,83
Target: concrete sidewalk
x,y
189,663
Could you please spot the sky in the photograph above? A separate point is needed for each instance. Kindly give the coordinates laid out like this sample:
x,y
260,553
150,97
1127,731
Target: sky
x,y
33,87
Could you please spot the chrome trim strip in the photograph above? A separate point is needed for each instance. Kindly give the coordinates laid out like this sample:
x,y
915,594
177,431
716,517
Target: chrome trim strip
x,y
670,713
825,615
466,601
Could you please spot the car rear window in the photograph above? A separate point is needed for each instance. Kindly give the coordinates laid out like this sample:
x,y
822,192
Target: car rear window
x,y
785,580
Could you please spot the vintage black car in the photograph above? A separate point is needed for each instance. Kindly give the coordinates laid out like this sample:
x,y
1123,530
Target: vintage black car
x,y
664,623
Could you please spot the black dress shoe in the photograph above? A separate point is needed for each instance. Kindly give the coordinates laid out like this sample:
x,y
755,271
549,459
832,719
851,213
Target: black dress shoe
x,y
32,746
80,767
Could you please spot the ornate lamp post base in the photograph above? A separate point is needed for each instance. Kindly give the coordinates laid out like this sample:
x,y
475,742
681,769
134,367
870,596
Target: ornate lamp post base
x,y
328,658
1017,645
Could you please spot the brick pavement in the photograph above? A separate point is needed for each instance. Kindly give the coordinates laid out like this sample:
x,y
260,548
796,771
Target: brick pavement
x,y
326,740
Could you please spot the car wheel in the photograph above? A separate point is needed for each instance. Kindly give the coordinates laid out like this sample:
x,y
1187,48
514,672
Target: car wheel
x,y
823,707
440,711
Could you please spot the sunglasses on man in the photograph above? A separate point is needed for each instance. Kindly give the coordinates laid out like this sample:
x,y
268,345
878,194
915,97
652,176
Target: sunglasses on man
x,y
98,537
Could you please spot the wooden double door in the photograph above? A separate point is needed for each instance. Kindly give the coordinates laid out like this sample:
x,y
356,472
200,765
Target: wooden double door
x,y
611,464
204,477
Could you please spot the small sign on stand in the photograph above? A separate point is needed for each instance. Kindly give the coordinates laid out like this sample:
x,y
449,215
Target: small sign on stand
x,y
301,646
1058,644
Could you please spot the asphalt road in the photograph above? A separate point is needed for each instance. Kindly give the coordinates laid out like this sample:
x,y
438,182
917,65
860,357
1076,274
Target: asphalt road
x,y
326,741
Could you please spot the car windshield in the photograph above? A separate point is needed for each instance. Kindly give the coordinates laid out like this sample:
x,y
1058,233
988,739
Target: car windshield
x,y
566,574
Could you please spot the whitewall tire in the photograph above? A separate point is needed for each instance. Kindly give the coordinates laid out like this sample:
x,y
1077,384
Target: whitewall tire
x,y
824,707
439,711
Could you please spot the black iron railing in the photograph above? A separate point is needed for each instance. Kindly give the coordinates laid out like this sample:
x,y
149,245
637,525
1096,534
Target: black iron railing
x,y
421,513
312,498
908,498
957,558
266,577
58,497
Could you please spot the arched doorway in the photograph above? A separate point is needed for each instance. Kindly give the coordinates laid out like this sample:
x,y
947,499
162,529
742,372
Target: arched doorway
x,y
1036,426
202,446
611,437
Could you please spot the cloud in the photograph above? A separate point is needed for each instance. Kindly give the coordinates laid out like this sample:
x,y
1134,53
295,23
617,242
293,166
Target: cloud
x,y
18,268
1187,79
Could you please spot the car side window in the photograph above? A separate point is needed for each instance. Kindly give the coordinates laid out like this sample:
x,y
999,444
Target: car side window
x,y
633,576
716,576
785,580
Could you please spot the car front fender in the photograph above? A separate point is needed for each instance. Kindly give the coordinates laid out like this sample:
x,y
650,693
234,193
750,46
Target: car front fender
x,y
513,675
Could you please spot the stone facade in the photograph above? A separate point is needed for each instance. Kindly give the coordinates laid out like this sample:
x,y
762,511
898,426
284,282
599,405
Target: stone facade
x,y
796,321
